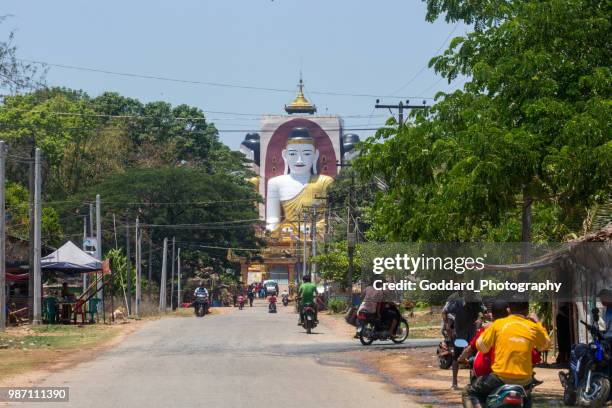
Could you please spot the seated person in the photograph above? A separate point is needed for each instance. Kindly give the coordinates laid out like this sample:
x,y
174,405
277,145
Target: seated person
x,y
65,294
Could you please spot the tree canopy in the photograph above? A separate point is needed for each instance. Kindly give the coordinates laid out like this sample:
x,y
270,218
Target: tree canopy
x,y
530,130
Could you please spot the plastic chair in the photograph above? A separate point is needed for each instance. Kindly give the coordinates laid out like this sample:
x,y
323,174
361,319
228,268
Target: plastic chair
x,y
50,310
92,310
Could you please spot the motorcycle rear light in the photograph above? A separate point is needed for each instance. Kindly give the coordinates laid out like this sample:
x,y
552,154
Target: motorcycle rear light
x,y
361,316
513,399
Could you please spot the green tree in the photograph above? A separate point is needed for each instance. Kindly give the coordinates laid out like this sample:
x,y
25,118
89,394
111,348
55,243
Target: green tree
x,y
205,212
525,148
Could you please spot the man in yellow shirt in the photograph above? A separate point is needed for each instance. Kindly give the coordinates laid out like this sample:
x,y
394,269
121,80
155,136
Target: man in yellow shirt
x,y
513,338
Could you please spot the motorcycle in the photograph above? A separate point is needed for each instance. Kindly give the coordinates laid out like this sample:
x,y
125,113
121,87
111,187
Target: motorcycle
x,y
201,305
240,302
371,328
587,383
272,305
309,321
285,300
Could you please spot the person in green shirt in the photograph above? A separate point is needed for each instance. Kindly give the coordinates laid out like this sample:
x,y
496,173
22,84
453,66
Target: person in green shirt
x,y
306,295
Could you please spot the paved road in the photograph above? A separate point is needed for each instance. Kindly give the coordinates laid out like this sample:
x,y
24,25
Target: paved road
x,y
242,359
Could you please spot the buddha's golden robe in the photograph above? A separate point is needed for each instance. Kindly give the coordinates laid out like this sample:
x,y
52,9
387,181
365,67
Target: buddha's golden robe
x,y
292,208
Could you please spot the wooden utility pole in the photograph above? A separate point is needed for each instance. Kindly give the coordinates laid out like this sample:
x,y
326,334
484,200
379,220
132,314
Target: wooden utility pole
x,y
150,275
37,292
400,107
172,273
99,247
304,270
163,281
313,229
179,295
128,264
2,235
138,267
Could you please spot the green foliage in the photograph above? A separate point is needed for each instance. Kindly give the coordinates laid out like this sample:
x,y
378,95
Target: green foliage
x,y
534,119
336,305
333,265
168,196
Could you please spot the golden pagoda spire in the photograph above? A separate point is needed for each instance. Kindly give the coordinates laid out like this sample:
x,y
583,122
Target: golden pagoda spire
x,y
300,104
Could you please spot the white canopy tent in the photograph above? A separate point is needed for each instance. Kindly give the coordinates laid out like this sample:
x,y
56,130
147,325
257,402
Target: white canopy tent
x,y
69,258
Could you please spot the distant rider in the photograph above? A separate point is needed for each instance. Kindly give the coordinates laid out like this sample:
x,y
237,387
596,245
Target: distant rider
x,y
306,295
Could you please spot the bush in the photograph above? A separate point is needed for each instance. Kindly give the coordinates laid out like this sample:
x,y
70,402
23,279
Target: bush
x,y
336,305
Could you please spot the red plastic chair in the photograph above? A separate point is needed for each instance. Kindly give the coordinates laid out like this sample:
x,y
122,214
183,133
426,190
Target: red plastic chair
x,y
79,309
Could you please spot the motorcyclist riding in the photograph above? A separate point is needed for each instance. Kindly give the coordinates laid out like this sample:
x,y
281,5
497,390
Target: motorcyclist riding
x,y
200,291
513,338
306,295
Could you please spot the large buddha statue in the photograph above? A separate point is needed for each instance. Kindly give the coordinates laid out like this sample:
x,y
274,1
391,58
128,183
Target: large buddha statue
x,y
300,184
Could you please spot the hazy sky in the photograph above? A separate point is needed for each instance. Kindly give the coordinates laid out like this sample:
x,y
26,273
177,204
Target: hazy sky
x,y
346,46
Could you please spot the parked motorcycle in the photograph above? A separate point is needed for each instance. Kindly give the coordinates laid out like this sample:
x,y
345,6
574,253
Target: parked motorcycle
x,y
285,300
201,305
309,321
587,383
371,328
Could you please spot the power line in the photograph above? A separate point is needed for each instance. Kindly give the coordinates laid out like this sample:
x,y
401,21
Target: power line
x,y
209,83
415,76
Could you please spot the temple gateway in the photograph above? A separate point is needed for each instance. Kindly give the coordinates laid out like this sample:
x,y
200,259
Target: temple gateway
x,y
295,157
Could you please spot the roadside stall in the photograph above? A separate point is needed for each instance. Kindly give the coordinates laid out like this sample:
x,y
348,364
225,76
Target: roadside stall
x,y
63,305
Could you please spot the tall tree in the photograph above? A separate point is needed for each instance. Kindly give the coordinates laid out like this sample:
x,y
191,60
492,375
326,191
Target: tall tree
x,y
530,131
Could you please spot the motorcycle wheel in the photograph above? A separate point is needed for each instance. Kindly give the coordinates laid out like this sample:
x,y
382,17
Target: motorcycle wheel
x,y
598,392
365,340
308,326
401,332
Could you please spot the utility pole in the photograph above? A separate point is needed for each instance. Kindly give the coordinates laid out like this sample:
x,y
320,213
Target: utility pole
x,y
138,267
400,107
115,231
304,270
297,250
313,229
2,235
31,183
128,264
179,295
172,273
162,283
350,238
150,281
37,300
91,220
99,247
84,248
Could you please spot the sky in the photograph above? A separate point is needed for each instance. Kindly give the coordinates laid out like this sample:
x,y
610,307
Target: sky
x,y
358,47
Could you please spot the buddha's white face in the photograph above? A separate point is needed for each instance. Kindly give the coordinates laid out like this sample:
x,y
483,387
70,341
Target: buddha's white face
x,y
300,158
